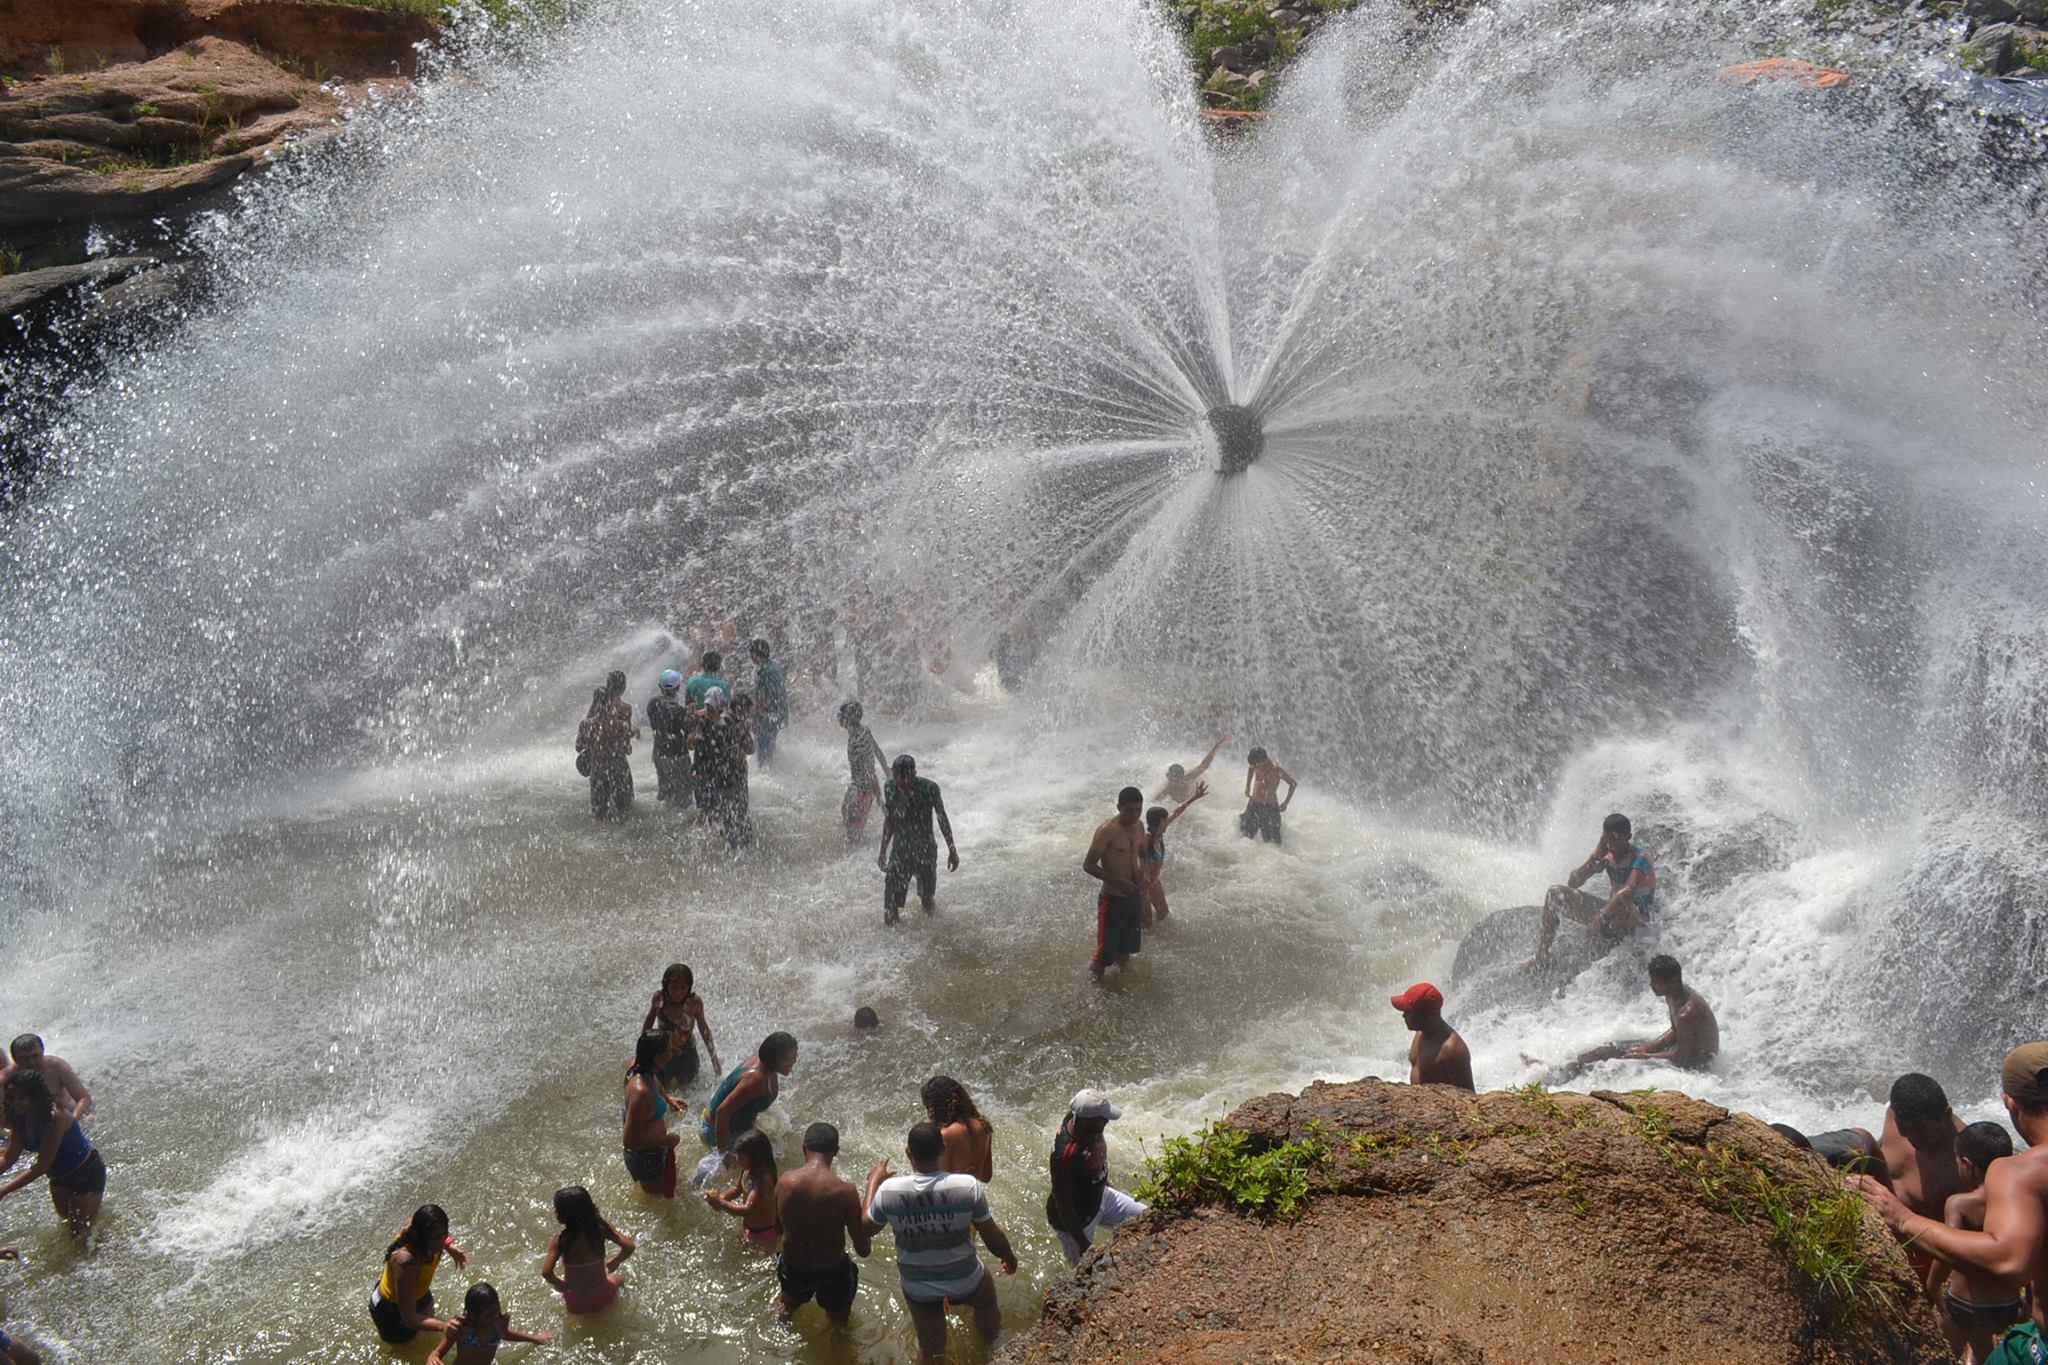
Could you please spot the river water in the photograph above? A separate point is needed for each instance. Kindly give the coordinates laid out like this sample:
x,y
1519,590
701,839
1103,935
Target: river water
x,y
1635,440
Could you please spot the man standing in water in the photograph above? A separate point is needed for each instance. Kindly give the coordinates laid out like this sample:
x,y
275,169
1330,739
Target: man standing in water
x,y
907,846
2014,1243
1437,1056
708,677
1116,858
1631,891
1692,1041
1263,804
722,748
771,696
607,736
670,723
864,761
935,1215
65,1087
819,1211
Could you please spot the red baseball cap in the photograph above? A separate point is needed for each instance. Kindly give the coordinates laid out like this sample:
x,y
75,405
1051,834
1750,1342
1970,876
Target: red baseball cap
x,y
1420,996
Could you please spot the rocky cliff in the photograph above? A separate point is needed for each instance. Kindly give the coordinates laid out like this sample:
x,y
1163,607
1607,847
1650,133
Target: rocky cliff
x,y
1437,1226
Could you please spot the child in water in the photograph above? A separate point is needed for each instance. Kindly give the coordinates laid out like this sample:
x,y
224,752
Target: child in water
x,y
753,1198
588,1281
1157,822
1263,803
474,1337
1975,1308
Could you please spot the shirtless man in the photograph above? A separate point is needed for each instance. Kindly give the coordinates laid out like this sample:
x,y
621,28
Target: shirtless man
x,y
1631,891
65,1087
864,759
1116,858
1180,783
1262,779
1692,1040
2014,1243
819,1212
1437,1056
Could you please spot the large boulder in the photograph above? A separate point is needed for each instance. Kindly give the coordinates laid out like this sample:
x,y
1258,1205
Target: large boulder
x,y
322,38
1442,1226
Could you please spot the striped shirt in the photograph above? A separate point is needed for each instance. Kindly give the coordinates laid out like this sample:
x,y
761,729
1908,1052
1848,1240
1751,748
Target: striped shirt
x,y
933,1216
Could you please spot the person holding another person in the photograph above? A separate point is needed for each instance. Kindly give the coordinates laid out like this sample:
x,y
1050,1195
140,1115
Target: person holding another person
x,y
1181,783
935,1215
59,1149
26,1054
864,761
970,1138
1263,802
588,1282
752,1196
474,1337
402,1304
1157,822
678,1009
1975,1307
2013,1244
1436,1055
650,1148
1082,1198
1116,858
771,696
819,1213
1631,892
908,849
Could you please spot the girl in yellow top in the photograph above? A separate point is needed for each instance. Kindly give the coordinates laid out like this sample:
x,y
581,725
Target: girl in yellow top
x,y
403,1304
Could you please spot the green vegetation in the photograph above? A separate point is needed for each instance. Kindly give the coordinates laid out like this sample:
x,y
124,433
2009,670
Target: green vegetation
x,y
55,61
10,259
1213,25
1217,1166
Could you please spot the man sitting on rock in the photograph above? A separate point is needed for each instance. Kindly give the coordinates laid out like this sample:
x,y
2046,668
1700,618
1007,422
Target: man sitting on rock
x,y
1631,891
2014,1243
1692,1040
1437,1055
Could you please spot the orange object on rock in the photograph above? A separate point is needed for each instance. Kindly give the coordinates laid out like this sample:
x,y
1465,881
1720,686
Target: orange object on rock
x,y
1807,74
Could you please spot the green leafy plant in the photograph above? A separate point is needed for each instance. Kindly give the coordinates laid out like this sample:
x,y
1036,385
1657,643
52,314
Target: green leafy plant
x,y
1218,1166
10,259
55,61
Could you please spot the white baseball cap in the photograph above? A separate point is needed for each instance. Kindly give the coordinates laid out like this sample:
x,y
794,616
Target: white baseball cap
x,y
1093,1104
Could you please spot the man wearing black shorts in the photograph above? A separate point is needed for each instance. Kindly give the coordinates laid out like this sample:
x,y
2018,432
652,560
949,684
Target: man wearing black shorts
x,y
908,849
1116,858
819,1211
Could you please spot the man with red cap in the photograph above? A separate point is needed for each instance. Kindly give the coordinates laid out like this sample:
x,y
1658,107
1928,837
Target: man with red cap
x,y
2014,1243
1437,1056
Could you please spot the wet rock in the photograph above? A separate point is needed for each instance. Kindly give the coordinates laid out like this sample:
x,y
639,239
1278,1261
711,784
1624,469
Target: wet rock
x,y
1288,18
323,39
28,290
1992,50
1991,11
1259,48
1229,58
1446,1226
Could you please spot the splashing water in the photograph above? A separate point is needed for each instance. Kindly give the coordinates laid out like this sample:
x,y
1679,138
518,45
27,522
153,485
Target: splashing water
x,y
1524,424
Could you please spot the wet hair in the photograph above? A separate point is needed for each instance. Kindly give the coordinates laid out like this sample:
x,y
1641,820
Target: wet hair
x,y
865,1017
674,970
1175,770
925,1144
21,1044
849,711
32,1088
1617,823
598,698
1255,757
759,649
1918,1099
947,1101
647,1052
756,1153
428,1231
615,682
482,1298
1793,1136
822,1137
775,1047
1980,1144
1154,818
1128,795
904,766
580,1220
713,660
1664,967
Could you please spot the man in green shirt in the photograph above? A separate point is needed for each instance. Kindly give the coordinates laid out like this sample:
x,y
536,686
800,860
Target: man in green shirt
x,y
907,846
771,698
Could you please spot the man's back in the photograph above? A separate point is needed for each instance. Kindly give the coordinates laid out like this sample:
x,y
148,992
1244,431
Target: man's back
x,y
1440,1062
818,1210
912,812
1696,1034
932,1214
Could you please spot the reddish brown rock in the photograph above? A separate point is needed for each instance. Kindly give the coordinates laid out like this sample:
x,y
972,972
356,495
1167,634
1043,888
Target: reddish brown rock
x,y
1448,1227
330,39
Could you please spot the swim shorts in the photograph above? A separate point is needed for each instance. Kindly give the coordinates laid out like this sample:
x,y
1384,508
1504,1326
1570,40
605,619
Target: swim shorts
x,y
390,1325
646,1164
1260,820
834,1285
1117,932
1984,1317
2021,1346
87,1177
896,881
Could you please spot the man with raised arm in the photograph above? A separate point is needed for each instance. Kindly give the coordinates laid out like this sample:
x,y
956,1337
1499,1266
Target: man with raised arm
x,y
1631,891
2014,1243
1180,783
819,1212
1116,858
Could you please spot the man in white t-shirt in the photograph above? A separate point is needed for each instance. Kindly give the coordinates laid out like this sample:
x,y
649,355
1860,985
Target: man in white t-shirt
x,y
935,1215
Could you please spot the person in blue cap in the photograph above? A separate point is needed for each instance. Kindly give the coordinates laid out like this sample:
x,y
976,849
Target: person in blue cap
x,y
671,723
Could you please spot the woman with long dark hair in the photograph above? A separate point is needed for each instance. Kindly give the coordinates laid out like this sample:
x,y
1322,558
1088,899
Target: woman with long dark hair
x,y
588,1281
37,1123
402,1304
650,1146
969,1137
678,1008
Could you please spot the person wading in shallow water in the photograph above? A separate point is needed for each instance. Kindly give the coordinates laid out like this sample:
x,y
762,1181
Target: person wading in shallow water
x,y
864,760
1631,892
935,1215
1116,858
1180,782
671,723
1263,802
908,849
2014,1243
820,1212
1692,1041
606,735
1437,1055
